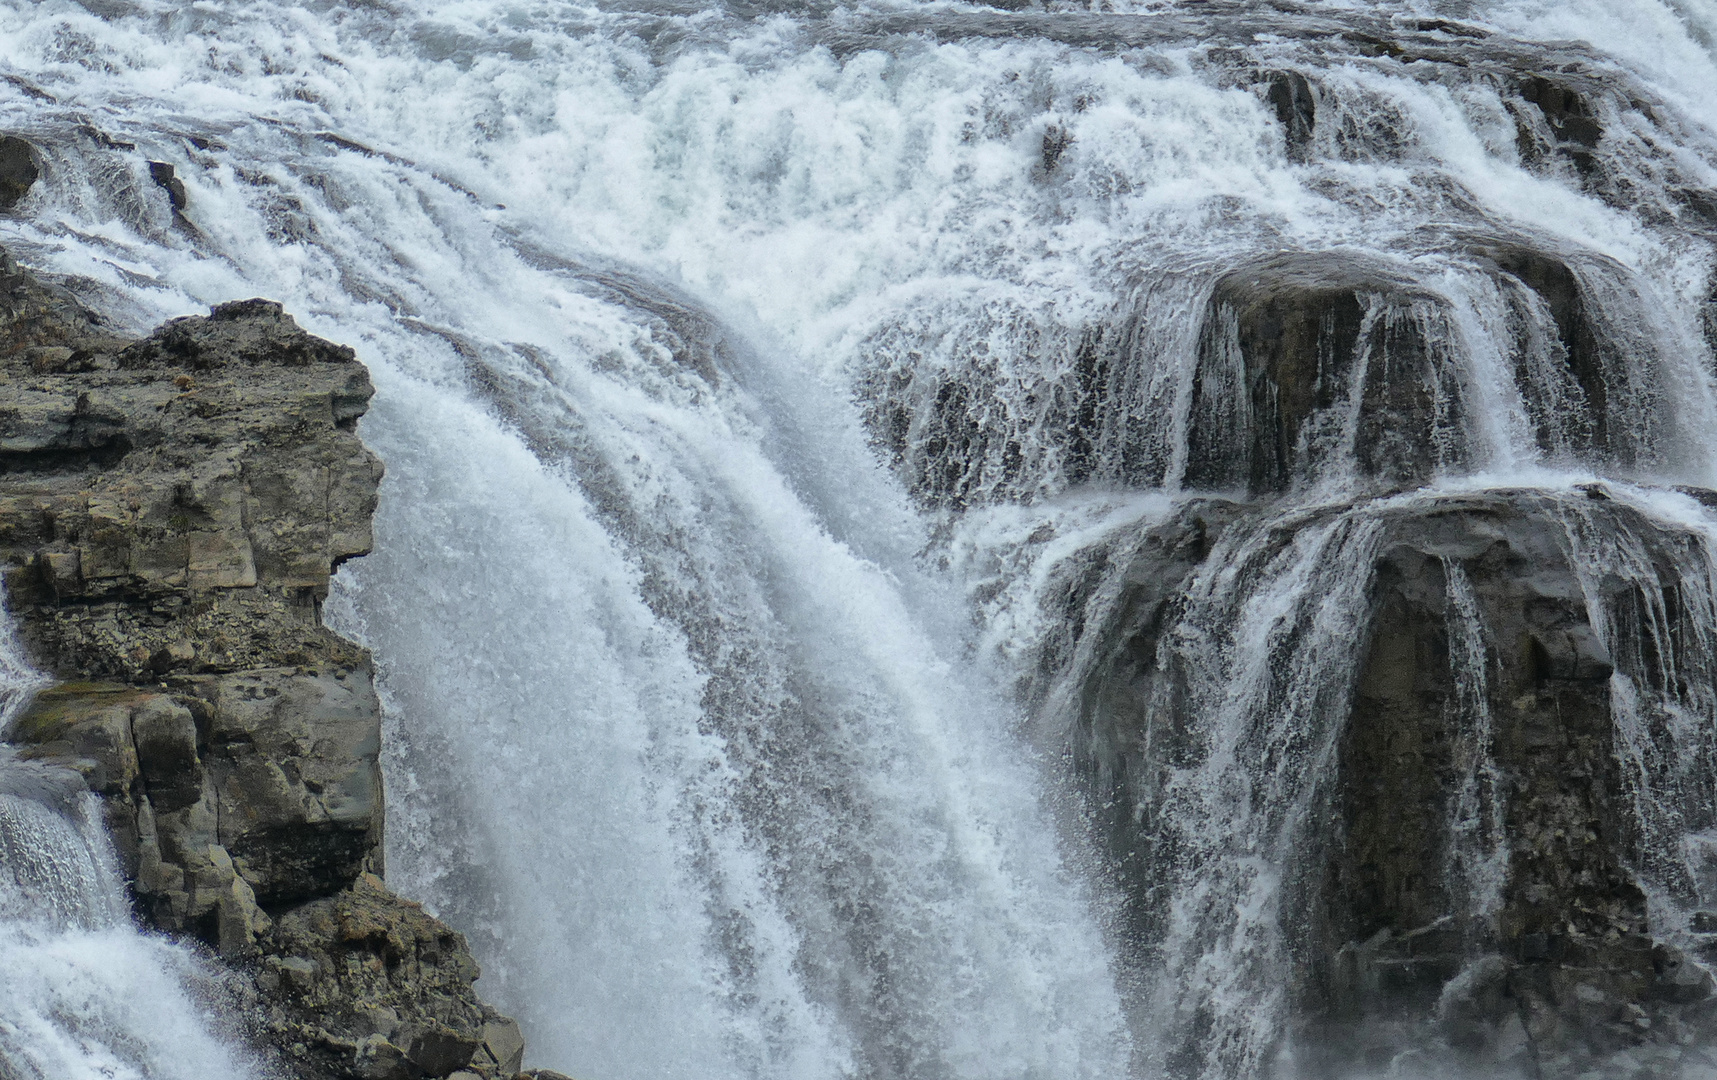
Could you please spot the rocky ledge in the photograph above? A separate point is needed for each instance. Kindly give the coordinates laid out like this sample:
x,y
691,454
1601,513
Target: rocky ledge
x,y
171,510
1491,782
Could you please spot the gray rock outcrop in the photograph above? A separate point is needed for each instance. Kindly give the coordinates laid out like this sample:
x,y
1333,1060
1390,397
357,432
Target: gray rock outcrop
x,y
171,510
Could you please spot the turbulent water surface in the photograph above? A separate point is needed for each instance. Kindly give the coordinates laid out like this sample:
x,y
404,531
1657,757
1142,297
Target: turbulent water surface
x,y
751,376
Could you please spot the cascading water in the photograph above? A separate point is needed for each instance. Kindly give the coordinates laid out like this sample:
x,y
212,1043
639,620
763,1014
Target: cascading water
x,y
1147,339
85,996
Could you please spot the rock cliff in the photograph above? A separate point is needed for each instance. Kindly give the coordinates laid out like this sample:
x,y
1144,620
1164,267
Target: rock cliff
x,y
1414,766
1469,830
171,510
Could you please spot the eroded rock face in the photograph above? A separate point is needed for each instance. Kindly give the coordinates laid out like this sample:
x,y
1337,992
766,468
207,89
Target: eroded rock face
x,y
1571,125
1583,392
1570,969
171,510
1305,367
1471,849
1314,364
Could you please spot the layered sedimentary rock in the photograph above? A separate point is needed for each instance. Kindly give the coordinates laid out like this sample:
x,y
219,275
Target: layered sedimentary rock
x,y
171,509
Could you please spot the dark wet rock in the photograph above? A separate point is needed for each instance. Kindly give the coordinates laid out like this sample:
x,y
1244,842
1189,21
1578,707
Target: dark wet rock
x,y
1573,124
1585,390
171,510
1291,95
1314,365
1311,364
18,172
1056,140
165,179
1552,280
1572,914
1448,780
1117,743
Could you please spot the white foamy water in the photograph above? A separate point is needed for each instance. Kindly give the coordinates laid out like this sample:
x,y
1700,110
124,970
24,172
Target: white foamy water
x,y
690,728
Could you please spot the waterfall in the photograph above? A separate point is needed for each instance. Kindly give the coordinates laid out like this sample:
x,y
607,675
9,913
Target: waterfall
x,y
904,523
85,995
1478,853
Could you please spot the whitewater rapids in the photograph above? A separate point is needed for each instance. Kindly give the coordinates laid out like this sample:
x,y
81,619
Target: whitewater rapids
x,y
699,726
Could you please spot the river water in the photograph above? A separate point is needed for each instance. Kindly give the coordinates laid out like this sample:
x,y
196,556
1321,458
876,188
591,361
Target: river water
x,y
741,384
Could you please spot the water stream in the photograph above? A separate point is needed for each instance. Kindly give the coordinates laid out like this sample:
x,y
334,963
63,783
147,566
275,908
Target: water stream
x,y
775,397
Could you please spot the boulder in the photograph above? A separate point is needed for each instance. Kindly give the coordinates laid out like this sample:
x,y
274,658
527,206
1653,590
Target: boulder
x,y
1317,366
366,984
